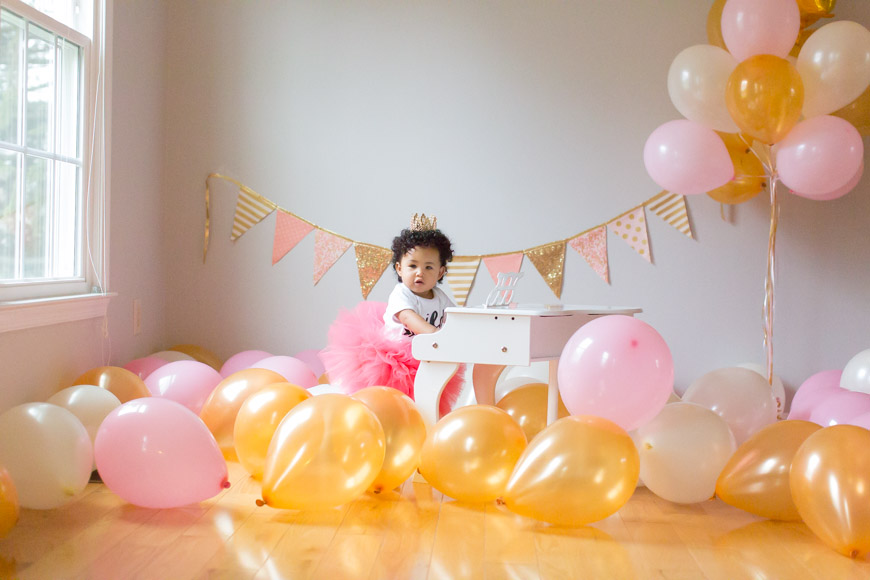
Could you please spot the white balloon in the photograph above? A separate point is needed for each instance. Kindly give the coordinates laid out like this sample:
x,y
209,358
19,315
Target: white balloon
x,y
47,452
777,387
172,356
696,84
326,389
682,451
856,374
89,403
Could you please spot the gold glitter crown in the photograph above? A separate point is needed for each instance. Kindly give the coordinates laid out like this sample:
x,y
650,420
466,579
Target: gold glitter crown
x,y
421,223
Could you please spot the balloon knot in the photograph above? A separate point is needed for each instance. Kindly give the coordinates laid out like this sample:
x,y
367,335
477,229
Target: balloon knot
x,y
377,490
499,501
647,445
260,503
225,484
854,554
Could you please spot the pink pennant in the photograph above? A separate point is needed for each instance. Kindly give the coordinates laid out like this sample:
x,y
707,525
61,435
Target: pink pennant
x,y
508,263
593,247
328,248
289,231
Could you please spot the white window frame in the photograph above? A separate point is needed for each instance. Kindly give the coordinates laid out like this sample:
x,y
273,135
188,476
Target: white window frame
x,y
27,304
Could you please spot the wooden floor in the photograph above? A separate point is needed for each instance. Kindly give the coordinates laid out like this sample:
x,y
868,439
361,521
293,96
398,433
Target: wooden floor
x,y
417,533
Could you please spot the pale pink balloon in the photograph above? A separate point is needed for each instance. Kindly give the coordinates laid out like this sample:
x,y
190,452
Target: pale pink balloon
x,y
812,391
862,420
840,408
819,155
242,360
837,192
685,157
751,27
616,367
145,366
312,359
292,369
188,382
155,453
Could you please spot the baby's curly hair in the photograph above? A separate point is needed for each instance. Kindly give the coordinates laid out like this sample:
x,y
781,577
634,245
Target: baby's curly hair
x,y
408,239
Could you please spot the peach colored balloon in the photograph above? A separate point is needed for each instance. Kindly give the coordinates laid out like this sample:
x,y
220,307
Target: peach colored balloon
x,y
120,382
9,506
222,406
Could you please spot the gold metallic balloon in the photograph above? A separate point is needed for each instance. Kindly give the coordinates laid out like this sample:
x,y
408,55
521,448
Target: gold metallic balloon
x,y
404,434
756,478
471,453
222,406
120,382
816,7
714,24
765,96
579,470
749,176
257,420
830,485
528,406
325,453
9,506
200,354
857,112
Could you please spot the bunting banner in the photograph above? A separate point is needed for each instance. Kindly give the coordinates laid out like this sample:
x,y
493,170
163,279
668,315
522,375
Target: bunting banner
x,y
372,260
631,227
460,276
593,247
549,259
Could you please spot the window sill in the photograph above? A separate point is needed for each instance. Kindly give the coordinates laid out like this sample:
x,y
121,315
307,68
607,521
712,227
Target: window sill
x,y
22,314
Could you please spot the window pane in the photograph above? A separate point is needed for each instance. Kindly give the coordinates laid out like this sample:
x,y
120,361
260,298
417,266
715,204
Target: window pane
x,y
11,44
40,87
69,92
8,212
66,248
35,216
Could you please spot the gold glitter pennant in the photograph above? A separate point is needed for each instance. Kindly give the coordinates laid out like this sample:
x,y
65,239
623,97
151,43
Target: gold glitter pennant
x,y
371,261
549,259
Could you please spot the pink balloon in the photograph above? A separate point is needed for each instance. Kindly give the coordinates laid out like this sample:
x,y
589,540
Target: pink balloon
x,y
819,155
616,367
751,27
812,391
242,360
687,158
837,192
188,382
862,420
156,453
292,369
839,408
312,359
145,366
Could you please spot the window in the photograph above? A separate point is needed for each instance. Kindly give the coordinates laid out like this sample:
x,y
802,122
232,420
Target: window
x,y
52,136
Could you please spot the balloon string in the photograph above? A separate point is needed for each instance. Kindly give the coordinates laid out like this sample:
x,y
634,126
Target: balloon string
x,y
768,308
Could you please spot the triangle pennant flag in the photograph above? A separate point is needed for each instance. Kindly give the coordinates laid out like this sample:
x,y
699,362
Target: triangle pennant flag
x,y
671,207
506,263
328,248
371,261
460,276
593,247
631,227
289,231
251,208
549,259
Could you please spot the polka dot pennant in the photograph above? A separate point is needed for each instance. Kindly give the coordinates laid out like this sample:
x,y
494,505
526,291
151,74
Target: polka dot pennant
x,y
289,231
630,227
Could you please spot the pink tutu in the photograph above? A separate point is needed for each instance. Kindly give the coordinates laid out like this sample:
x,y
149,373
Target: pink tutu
x,y
360,355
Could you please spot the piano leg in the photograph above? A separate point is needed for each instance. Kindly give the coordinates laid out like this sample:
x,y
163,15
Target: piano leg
x,y
428,385
483,378
553,393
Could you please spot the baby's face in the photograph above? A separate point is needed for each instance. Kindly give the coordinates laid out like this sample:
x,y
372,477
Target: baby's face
x,y
420,269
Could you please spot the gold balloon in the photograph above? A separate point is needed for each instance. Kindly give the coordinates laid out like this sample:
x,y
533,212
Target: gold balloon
x,y
749,176
579,470
471,452
257,420
816,7
404,434
756,478
326,452
830,485
714,24
857,112
120,382
765,96
222,406
199,354
9,506
528,406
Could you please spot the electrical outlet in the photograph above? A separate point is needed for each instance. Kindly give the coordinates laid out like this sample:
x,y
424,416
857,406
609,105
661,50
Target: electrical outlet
x,y
137,316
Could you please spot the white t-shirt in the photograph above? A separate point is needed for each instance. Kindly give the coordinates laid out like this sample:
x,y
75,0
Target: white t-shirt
x,y
430,309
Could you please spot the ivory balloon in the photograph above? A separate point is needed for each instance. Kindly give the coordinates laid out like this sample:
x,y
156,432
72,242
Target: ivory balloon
x,y
528,407
579,470
856,373
47,452
776,387
199,354
90,404
120,382
172,355
756,477
257,420
404,434
471,453
696,84
9,506
830,485
326,451
682,451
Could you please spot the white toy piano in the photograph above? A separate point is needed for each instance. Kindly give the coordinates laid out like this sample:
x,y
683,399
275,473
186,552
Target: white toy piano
x,y
494,336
